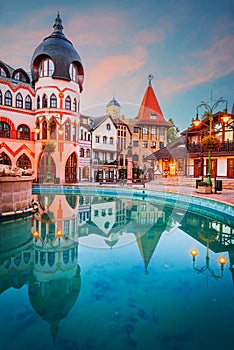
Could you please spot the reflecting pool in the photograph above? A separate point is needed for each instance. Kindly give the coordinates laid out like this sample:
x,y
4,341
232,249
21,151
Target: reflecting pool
x,y
96,272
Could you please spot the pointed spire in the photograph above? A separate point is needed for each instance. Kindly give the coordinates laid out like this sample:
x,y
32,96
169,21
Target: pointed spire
x,y
58,24
150,107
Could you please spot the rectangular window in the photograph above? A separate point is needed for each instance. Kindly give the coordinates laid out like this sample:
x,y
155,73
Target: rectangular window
x,y
153,131
135,157
135,143
153,144
152,116
135,129
104,156
161,131
144,144
161,145
145,131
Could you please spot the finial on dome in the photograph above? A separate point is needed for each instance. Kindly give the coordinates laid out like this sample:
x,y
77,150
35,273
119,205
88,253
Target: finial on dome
x,y
58,23
150,77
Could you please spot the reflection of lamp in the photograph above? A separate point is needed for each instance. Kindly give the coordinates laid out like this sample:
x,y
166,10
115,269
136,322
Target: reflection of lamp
x,y
221,260
47,240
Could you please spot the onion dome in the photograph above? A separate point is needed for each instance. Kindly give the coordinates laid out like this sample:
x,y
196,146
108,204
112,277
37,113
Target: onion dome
x,y
113,102
63,58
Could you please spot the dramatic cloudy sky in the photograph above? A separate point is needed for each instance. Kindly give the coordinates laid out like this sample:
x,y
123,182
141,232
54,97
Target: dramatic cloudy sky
x,y
187,45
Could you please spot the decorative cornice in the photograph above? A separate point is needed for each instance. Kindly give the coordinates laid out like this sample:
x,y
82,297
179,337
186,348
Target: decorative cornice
x,y
18,86
21,148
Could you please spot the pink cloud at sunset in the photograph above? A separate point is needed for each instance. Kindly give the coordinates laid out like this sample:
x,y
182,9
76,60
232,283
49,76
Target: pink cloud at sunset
x,y
207,65
120,44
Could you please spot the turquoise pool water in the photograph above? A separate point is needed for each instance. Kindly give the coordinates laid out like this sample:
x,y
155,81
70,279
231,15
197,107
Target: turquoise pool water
x,y
120,276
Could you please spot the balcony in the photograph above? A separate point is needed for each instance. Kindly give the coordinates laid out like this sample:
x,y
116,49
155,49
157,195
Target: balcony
x,y
104,162
225,147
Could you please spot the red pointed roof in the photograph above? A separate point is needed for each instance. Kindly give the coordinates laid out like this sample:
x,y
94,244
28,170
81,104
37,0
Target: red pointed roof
x,y
150,106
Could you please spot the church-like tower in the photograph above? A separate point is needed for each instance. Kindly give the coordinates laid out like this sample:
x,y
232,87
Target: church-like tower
x,y
57,74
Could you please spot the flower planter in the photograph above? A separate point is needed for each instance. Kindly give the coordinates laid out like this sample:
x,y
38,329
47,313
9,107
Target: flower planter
x,y
204,189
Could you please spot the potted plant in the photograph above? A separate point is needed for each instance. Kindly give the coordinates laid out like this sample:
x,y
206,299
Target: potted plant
x,y
48,147
204,187
210,142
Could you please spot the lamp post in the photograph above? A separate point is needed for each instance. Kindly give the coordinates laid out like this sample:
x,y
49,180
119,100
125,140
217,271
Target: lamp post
x,y
208,114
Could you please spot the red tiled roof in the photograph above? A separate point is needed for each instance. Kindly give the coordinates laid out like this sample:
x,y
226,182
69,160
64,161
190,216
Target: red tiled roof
x,y
150,105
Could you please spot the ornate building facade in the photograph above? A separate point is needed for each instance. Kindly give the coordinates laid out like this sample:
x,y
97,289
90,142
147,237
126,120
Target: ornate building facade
x,y
39,116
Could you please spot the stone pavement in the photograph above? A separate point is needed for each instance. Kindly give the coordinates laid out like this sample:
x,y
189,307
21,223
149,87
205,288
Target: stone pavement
x,y
225,196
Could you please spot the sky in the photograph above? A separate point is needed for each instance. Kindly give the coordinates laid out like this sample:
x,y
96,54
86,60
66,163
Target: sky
x,y
187,45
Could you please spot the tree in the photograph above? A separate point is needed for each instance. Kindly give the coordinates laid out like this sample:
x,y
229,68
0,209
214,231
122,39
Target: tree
x,y
173,132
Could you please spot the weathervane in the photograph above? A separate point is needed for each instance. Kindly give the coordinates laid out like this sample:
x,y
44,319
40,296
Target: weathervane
x,y
150,77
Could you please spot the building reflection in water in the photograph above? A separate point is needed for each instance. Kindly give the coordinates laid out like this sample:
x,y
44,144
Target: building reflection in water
x,y
43,250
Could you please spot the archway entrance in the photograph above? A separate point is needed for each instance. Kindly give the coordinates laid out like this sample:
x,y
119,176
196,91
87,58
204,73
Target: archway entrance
x,y
46,168
71,168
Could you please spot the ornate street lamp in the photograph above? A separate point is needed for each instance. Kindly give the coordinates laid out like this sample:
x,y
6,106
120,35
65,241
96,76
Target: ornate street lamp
x,y
209,142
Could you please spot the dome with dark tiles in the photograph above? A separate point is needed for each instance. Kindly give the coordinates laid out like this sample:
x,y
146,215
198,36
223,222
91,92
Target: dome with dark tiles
x,y
57,48
113,102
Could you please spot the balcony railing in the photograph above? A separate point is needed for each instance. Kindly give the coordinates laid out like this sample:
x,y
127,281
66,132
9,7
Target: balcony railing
x,y
227,146
104,162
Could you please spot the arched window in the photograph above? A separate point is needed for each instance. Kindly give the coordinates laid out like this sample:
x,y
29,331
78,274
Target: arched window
x,y
44,101
85,172
74,132
87,153
28,102
23,132
67,131
104,139
38,102
71,168
53,128
44,130
19,101
0,97
46,68
4,159
5,130
68,103
82,152
73,72
8,98
2,72
53,101
74,107
24,162
20,76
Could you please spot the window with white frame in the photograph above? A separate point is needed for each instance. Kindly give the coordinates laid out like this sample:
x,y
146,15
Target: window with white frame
x,y
46,68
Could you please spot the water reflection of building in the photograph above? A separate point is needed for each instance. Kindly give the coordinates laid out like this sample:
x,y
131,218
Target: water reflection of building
x,y
148,223
16,254
217,236
54,283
